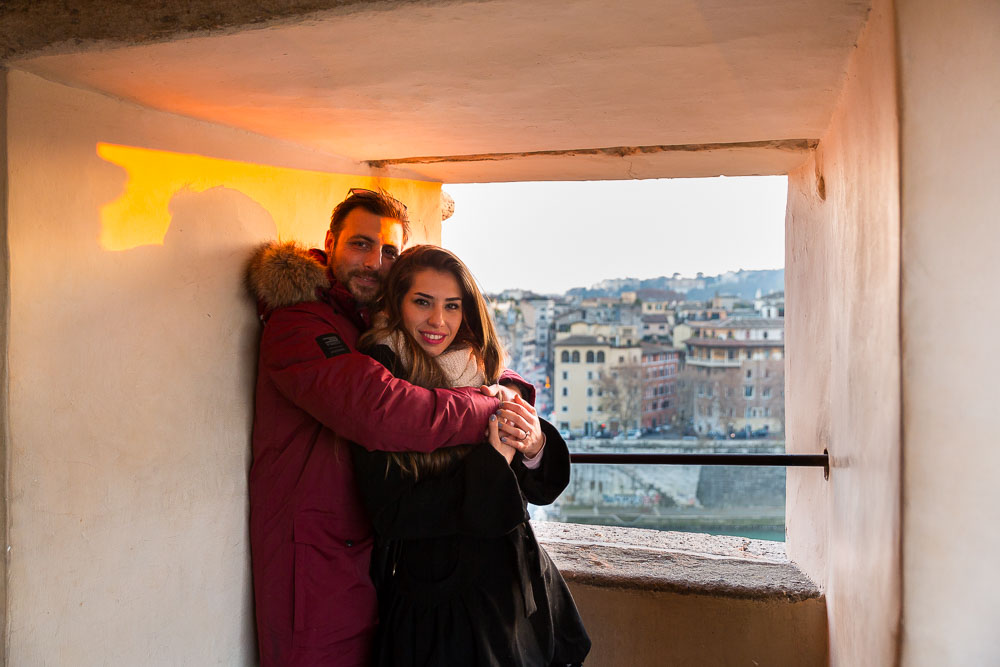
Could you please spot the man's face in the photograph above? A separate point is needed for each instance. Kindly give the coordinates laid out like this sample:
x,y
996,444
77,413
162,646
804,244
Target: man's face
x,y
366,249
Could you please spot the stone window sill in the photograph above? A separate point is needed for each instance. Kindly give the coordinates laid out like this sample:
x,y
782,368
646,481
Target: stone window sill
x,y
674,562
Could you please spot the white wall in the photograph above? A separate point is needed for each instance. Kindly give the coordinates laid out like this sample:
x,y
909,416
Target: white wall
x,y
842,344
131,373
4,325
950,136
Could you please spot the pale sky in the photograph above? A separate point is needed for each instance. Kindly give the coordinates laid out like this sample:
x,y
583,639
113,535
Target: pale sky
x,y
549,237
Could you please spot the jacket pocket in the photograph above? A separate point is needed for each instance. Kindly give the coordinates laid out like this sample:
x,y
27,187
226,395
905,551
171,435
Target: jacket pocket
x,y
334,599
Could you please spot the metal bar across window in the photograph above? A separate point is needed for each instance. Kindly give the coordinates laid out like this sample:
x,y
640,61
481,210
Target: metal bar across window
x,y
787,460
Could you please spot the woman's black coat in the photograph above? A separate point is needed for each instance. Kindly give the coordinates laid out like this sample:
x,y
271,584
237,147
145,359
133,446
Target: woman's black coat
x,y
460,577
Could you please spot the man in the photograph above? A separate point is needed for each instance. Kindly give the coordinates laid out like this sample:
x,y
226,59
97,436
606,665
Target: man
x,y
310,539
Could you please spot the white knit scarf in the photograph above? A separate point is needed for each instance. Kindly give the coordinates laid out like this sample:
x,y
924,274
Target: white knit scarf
x,y
458,365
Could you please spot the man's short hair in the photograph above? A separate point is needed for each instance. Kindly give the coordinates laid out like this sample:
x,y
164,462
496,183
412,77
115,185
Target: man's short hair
x,y
376,203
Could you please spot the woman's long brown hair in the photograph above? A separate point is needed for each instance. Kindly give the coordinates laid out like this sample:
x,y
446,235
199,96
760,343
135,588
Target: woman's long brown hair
x,y
476,332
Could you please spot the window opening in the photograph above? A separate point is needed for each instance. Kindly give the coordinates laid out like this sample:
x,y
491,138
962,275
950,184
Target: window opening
x,y
668,309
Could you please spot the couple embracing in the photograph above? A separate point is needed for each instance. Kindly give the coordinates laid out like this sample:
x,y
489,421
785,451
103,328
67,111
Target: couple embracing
x,y
393,456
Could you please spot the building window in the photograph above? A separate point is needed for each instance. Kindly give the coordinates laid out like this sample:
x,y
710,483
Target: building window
x,y
746,413
565,409
590,375
600,357
590,356
748,391
576,356
565,375
565,391
590,391
590,408
564,357
748,373
766,392
732,354
621,360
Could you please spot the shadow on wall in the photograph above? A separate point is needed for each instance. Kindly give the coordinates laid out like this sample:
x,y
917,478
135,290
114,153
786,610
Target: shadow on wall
x,y
298,200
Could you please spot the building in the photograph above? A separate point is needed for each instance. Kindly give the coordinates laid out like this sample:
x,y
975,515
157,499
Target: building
x,y
587,367
656,326
725,302
700,313
771,305
659,387
679,335
734,376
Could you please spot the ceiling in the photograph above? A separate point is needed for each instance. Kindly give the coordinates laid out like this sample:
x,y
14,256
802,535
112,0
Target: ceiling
x,y
501,90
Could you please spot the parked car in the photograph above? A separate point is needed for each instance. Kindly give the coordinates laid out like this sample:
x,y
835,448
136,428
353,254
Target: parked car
x,y
633,434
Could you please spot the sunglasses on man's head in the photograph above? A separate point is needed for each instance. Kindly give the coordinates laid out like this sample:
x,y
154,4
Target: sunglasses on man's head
x,y
365,192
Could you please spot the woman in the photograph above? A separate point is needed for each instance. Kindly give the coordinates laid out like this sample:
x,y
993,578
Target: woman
x,y
460,577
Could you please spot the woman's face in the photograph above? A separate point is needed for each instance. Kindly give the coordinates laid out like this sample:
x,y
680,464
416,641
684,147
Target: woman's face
x,y
432,310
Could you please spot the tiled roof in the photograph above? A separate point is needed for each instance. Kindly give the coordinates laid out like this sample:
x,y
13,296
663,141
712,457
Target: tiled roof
x,y
655,348
580,340
731,342
742,323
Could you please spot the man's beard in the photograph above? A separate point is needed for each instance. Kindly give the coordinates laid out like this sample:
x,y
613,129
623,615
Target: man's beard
x,y
363,293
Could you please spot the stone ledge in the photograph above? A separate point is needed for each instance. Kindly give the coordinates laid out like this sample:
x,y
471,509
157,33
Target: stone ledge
x,y
674,562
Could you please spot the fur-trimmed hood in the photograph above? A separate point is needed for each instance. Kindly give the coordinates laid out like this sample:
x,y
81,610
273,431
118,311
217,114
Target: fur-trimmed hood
x,y
284,274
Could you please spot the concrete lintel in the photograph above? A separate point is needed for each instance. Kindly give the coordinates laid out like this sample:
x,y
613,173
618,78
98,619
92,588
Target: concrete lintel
x,y
664,561
612,151
724,161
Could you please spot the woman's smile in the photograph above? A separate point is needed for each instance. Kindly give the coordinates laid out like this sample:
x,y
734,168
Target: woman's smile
x,y
432,310
433,338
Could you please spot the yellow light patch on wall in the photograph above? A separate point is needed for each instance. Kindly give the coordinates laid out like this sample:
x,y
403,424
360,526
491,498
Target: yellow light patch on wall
x,y
299,200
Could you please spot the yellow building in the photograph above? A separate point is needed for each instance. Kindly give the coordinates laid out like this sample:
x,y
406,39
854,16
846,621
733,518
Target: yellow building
x,y
580,361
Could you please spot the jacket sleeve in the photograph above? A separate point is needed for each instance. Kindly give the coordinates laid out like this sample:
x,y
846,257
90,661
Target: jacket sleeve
x,y
510,377
356,397
478,495
542,485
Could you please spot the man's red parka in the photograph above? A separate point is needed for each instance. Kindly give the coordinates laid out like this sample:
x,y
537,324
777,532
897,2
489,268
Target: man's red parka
x,y
310,538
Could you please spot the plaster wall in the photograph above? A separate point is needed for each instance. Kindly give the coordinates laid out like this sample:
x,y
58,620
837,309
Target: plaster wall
x,y
842,341
650,629
950,142
131,361
4,325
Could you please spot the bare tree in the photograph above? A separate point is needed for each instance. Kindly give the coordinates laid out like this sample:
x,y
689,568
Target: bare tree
x,y
686,383
620,391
